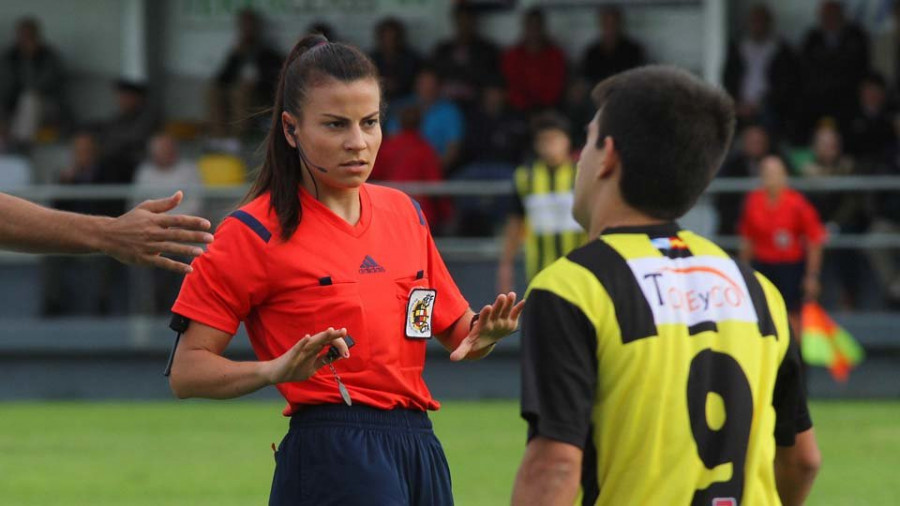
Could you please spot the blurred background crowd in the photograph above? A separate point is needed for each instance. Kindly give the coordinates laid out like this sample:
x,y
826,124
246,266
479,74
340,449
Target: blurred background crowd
x,y
472,109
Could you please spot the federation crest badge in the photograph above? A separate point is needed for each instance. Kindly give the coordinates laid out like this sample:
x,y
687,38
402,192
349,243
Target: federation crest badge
x,y
419,309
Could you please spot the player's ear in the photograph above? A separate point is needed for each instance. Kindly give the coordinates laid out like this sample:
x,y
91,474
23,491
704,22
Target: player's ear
x,y
609,162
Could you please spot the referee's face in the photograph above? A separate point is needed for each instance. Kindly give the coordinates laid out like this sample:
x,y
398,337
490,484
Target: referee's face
x,y
340,131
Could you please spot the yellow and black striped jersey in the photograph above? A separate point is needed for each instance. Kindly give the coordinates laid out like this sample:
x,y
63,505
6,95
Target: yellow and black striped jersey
x,y
544,197
668,363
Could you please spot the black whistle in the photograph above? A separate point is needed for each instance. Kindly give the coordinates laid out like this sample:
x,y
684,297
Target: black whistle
x,y
334,354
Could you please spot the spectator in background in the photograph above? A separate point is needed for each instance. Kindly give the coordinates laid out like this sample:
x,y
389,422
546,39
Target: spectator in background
x,y
843,212
495,133
72,285
761,73
123,138
466,62
407,156
614,51
835,59
442,121
782,235
535,68
397,62
542,212
886,220
246,81
870,133
165,169
754,145
31,85
579,109
163,172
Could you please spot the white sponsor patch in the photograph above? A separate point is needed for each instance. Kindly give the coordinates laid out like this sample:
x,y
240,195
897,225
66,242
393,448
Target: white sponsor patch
x,y
694,290
551,213
419,309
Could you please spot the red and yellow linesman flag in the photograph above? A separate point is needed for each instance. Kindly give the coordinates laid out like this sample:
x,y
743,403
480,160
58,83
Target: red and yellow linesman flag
x,y
826,344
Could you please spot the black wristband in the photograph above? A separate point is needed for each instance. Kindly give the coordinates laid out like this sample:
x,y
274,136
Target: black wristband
x,y
474,319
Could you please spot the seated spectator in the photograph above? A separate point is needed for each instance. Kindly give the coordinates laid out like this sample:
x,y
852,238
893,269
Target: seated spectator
x,y
782,235
843,212
614,51
397,62
761,73
466,62
579,109
542,213
84,168
246,81
835,59
753,146
32,85
165,171
886,220
407,156
495,133
870,133
442,121
535,68
123,138
75,285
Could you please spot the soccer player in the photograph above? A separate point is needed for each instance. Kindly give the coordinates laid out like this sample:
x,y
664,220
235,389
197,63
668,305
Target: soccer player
x,y
316,249
542,205
656,369
137,237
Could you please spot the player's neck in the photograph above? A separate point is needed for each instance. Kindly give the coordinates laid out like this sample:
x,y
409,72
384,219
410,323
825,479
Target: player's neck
x,y
618,214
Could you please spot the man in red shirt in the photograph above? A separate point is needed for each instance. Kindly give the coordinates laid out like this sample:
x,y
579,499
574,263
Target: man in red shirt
x,y
535,68
407,156
782,235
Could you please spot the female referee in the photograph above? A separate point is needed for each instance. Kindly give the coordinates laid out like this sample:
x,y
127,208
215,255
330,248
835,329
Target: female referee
x,y
316,249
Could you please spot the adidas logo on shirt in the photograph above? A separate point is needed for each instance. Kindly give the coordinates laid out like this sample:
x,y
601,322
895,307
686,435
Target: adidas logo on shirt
x,y
370,266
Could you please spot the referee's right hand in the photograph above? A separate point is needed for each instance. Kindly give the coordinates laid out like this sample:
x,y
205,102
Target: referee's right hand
x,y
306,357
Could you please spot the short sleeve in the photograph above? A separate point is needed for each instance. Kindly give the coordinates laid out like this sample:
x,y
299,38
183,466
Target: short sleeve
x,y
450,304
227,280
813,228
789,398
559,369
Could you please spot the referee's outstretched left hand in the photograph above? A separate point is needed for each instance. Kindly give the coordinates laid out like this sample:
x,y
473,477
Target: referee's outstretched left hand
x,y
494,323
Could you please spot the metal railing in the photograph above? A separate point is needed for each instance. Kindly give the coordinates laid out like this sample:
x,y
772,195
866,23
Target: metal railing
x,y
476,249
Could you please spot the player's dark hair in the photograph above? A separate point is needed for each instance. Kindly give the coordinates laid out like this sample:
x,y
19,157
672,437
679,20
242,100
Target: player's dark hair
x,y
549,120
312,61
671,131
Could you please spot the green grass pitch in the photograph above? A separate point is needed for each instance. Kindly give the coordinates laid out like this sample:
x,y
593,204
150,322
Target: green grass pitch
x,y
218,453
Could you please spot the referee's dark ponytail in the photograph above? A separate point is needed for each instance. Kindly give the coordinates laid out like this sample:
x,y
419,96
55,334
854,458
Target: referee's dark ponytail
x,y
311,61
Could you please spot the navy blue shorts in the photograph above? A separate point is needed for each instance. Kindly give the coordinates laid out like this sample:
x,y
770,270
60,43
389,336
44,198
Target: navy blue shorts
x,y
787,278
335,454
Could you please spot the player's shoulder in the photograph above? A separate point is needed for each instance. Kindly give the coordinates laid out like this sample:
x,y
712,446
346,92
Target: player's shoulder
x,y
573,276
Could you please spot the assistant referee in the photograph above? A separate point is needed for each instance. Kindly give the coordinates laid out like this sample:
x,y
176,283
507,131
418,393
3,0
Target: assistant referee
x,y
657,370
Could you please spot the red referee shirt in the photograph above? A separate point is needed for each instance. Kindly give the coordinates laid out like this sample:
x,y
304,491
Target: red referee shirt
x,y
330,274
778,230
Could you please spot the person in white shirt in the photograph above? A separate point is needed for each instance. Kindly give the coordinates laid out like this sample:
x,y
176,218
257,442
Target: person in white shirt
x,y
165,169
